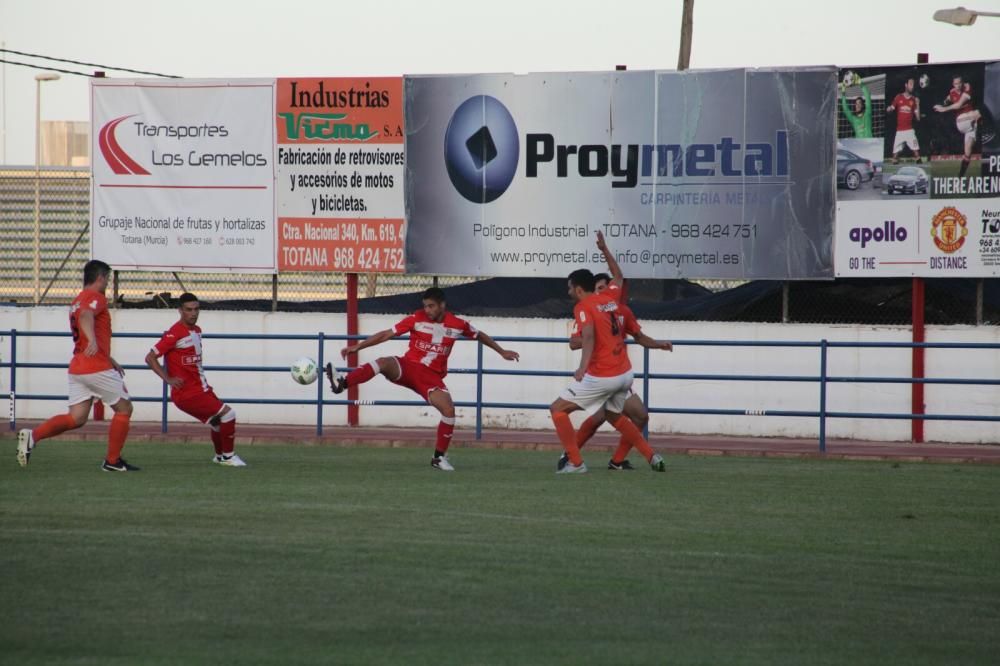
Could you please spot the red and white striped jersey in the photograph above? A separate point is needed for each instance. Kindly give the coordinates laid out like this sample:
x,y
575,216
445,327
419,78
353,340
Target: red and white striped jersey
x,y
181,346
431,341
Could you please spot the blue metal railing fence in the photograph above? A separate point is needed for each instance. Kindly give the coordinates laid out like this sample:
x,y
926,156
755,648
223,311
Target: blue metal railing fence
x,y
823,378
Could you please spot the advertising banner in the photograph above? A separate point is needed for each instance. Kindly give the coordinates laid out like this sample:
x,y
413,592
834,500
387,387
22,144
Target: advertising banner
x,y
183,175
918,171
340,167
713,174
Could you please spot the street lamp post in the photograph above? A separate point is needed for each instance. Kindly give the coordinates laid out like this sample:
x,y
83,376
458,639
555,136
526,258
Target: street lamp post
x,y
47,76
960,15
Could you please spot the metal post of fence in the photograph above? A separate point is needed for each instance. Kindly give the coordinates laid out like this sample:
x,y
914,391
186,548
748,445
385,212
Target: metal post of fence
x,y
13,379
979,302
479,391
822,396
319,388
645,387
274,292
163,410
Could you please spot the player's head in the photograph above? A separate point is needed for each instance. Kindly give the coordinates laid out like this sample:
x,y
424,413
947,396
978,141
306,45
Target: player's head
x,y
958,83
909,84
189,307
434,304
859,106
96,274
601,282
581,284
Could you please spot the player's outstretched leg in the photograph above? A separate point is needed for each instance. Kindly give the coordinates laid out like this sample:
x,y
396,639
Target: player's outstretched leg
x,y
27,439
635,438
636,411
388,366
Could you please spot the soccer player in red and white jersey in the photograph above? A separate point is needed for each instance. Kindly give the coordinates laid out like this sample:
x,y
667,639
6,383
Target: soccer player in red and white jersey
x,y
967,117
93,373
907,109
604,377
433,331
634,408
189,389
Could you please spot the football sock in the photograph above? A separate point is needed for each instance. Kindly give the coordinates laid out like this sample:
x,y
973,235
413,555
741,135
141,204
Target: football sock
x,y
586,431
362,374
965,165
633,436
116,436
227,437
445,428
227,432
622,451
564,428
54,426
217,440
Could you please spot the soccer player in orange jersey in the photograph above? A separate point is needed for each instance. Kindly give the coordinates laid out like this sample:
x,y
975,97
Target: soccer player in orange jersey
x,y
604,377
612,285
189,390
93,373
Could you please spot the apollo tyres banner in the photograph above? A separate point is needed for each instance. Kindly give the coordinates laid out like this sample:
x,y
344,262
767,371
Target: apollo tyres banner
x,y
918,171
183,175
715,174
340,174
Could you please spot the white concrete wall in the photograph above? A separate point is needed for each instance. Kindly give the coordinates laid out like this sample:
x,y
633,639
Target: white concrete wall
x,y
685,359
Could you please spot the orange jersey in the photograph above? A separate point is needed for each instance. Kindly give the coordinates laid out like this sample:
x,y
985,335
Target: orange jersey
x,y
608,319
82,364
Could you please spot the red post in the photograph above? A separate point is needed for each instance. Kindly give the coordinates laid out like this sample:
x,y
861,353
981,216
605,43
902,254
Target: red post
x,y
352,329
917,388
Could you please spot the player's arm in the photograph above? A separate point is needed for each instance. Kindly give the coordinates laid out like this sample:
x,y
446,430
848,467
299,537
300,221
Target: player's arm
x,y
617,277
587,344
962,100
370,341
86,323
154,364
576,342
649,343
492,344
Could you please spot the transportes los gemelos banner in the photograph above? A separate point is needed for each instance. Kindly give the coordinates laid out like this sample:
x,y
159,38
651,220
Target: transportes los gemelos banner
x,y
183,175
340,167
918,171
721,174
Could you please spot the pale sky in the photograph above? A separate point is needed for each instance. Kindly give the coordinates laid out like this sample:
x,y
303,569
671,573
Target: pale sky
x,y
254,38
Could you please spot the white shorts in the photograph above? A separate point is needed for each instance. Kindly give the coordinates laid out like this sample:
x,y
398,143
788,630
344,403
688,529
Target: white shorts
x,y
905,137
593,393
107,385
966,123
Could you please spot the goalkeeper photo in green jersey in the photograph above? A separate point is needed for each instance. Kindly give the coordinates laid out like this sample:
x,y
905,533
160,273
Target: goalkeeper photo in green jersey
x,y
859,114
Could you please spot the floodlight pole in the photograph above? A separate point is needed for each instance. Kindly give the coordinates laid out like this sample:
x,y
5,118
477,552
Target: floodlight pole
x,y
687,30
39,78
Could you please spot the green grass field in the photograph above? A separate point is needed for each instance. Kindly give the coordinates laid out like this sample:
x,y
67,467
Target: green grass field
x,y
331,555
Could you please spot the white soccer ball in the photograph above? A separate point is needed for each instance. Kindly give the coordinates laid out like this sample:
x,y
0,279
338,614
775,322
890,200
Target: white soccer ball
x,y
848,79
304,370
924,80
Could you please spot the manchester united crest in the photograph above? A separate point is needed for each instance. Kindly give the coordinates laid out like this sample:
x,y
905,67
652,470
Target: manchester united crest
x,y
949,229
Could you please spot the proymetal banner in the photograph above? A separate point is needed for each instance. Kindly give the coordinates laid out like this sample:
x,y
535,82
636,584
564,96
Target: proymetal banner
x,y
183,175
717,174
